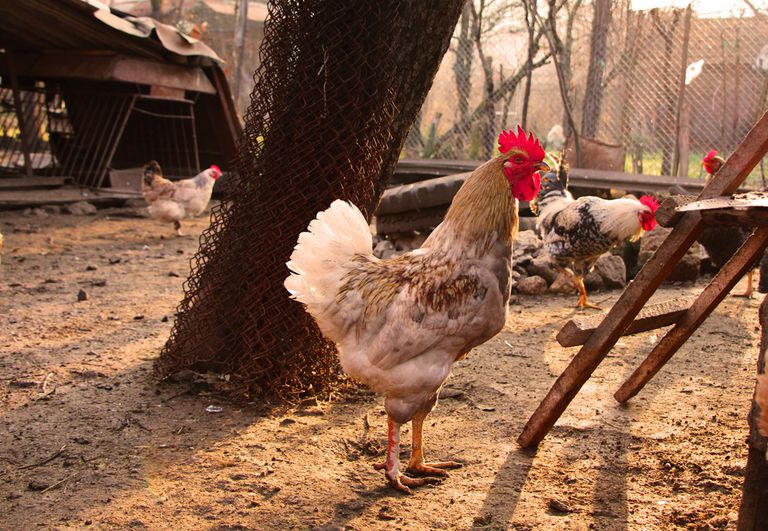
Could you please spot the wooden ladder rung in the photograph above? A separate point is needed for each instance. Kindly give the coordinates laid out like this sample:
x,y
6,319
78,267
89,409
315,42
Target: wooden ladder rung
x,y
577,330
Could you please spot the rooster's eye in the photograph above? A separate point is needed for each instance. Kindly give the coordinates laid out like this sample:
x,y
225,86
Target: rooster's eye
x,y
518,160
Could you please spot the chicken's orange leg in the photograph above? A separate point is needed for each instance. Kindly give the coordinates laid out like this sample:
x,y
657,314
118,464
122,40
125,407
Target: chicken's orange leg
x,y
748,292
583,302
417,464
392,465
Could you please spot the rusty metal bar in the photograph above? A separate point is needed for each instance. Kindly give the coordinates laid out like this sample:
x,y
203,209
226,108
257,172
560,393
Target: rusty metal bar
x,y
681,89
620,316
195,149
116,135
19,112
101,142
713,294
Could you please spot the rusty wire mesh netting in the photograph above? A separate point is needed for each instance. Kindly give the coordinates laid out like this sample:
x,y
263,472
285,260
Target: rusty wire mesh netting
x,y
338,86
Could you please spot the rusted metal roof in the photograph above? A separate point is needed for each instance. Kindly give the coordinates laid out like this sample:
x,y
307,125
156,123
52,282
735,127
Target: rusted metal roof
x,y
41,25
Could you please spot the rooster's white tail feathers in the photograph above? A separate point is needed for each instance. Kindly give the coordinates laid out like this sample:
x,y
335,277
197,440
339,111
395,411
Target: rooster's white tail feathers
x,y
320,258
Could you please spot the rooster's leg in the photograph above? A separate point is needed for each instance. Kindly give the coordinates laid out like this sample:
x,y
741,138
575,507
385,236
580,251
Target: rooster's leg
x,y
417,464
177,226
392,465
583,302
748,292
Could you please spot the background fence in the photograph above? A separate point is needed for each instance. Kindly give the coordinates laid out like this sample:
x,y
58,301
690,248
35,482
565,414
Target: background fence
x,y
662,86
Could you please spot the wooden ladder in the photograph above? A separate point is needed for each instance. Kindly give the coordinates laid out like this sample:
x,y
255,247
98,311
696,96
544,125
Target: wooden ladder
x,y
598,339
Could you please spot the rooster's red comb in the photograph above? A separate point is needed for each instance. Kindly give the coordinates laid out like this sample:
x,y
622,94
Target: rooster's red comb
x,y
710,156
530,144
215,168
650,202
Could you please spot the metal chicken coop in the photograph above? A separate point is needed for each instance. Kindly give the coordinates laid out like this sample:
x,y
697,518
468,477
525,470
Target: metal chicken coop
x,y
94,93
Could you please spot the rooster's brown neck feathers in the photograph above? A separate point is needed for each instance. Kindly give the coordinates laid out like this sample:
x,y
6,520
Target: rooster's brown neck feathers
x,y
483,211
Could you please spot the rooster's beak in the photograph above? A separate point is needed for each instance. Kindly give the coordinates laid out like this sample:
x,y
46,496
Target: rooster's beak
x,y
542,166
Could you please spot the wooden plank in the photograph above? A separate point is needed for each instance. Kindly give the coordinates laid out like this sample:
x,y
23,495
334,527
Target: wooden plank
x,y
713,294
21,183
16,199
577,330
749,200
667,214
753,511
592,353
113,67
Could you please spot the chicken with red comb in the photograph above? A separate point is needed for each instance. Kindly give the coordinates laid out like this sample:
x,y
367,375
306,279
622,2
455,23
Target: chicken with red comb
x,y
576,232
174,201
721,241
400,324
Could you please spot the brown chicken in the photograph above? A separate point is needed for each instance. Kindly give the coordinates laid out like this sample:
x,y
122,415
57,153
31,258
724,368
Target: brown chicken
x,y
400,324
722,242
174,201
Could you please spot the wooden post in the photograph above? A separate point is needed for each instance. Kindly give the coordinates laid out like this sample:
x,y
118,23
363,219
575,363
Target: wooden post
x,y
242,26
577,330
753,511
713,294
681,96
726,181
17,102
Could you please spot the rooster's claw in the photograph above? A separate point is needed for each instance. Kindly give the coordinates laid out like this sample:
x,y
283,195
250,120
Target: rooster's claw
x,y
403,482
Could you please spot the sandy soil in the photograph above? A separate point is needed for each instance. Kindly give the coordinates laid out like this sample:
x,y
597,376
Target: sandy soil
x,y
89,438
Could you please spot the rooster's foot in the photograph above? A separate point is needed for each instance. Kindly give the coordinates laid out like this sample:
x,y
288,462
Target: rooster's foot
x,y
743,295
432,469
402,482
583,305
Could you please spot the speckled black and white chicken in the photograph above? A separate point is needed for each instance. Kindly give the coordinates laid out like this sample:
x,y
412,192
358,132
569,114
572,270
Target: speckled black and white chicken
x,y
576,232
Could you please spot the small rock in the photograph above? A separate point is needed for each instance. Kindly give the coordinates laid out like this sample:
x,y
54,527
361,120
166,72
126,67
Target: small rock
x,y
686,270
81,440
82,295
612,270
534,285
287,422
52,209
173,274
562,284
81,208
559,506
37,485
164,319
594,282
214,409
542,267
114,260
527,242
91,268
138,317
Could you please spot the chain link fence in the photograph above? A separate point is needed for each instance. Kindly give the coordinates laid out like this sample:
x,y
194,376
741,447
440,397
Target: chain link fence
x,y
657,88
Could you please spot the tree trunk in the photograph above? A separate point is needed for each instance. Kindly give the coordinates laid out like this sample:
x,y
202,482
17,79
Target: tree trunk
x,y
753,512
593,98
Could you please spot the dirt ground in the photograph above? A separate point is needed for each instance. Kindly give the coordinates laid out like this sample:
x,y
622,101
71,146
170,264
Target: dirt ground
x,y
89,438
